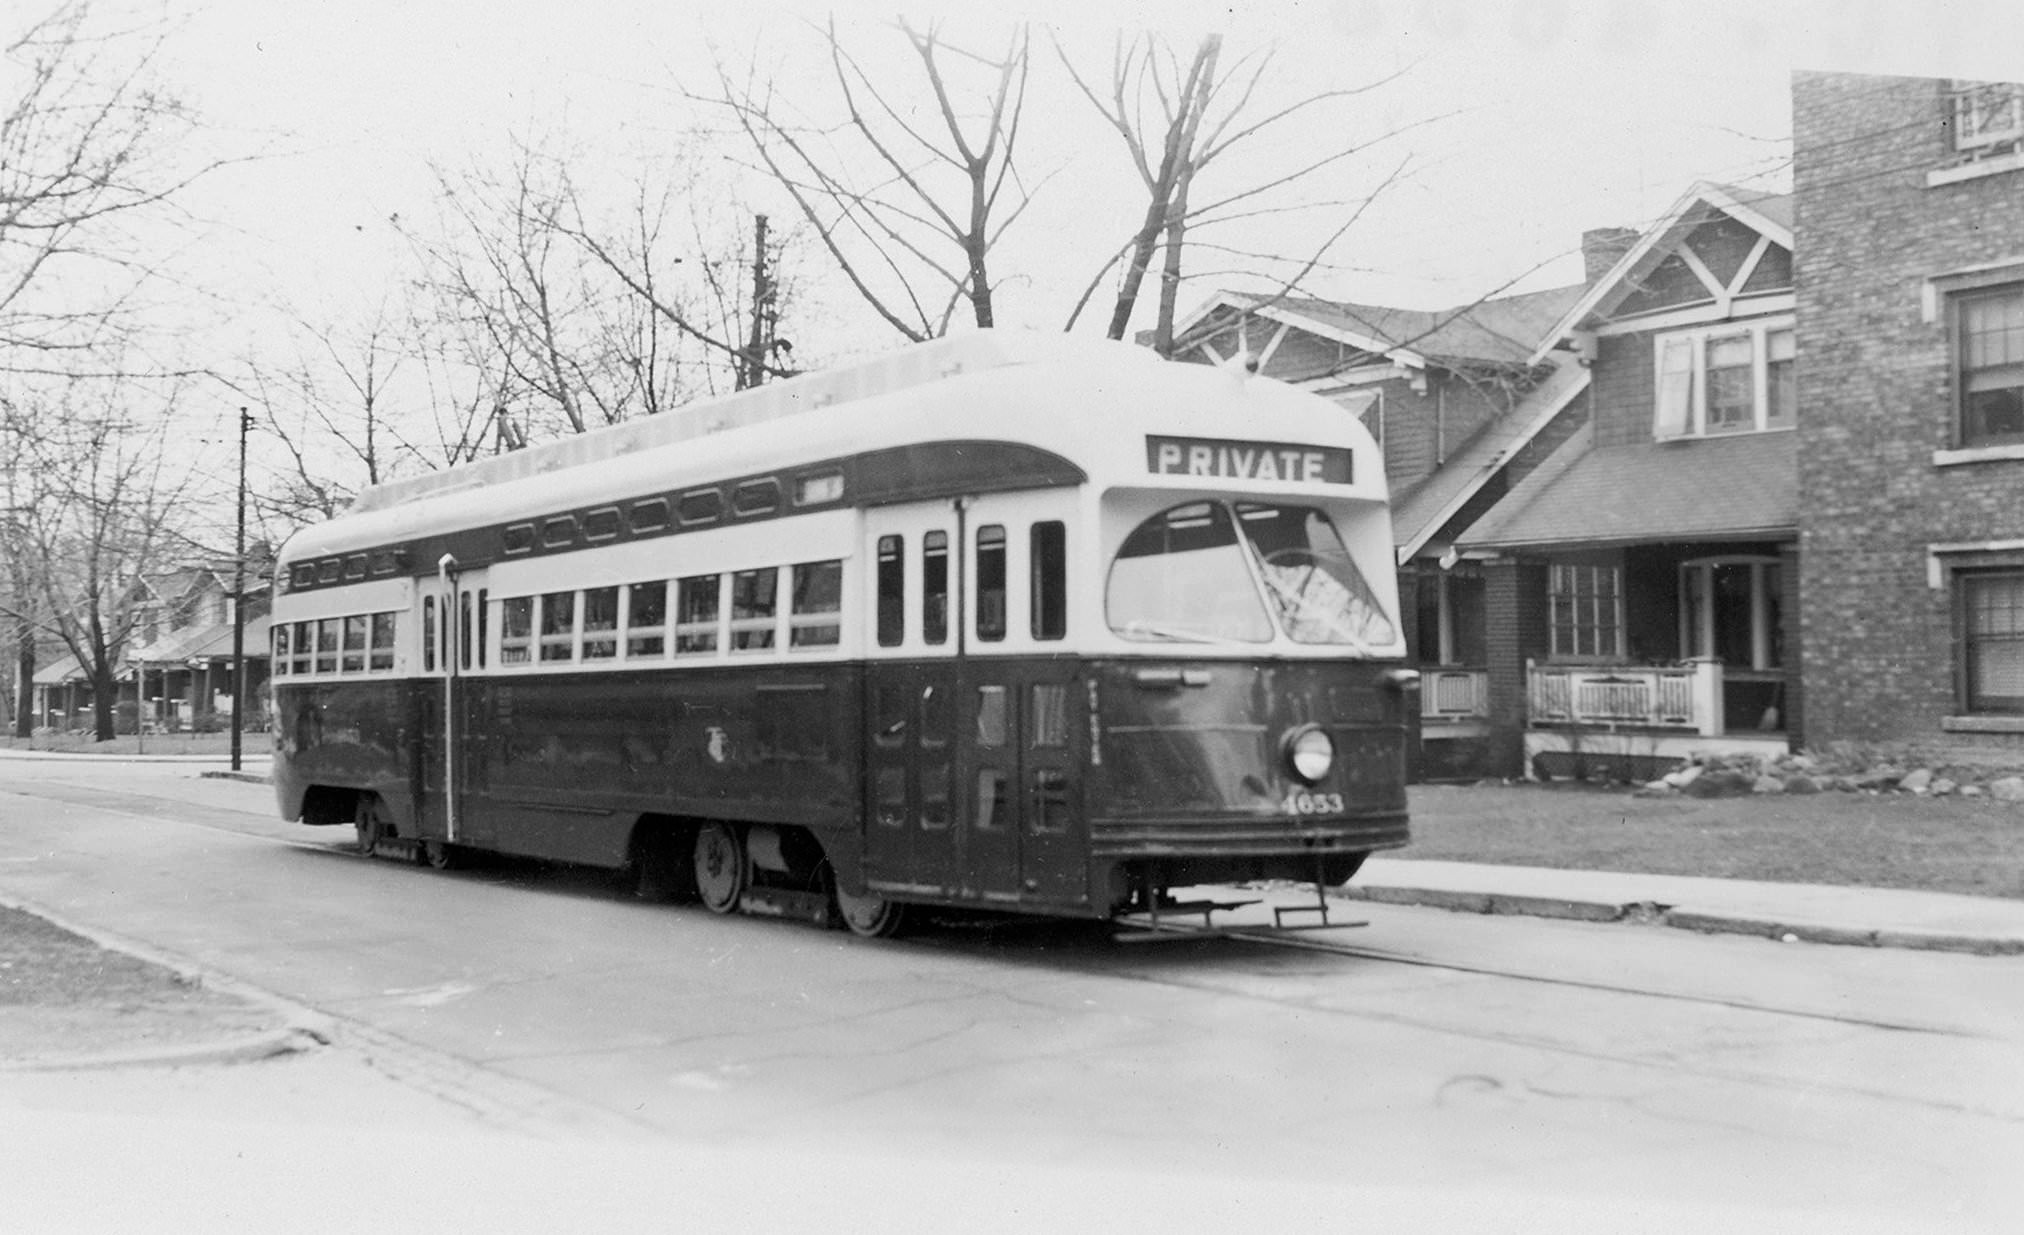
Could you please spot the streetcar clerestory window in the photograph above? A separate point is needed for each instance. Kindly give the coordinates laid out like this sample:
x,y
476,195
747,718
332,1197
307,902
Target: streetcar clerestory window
x,y
700,506
650,515
892,591
815,617
755,497
1047,560
991,582
646,619
559,532
697,605
558,626
601,524
517,538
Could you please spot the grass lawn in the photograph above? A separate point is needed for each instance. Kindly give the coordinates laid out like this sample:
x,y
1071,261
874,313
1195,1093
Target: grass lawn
x,y
1973,846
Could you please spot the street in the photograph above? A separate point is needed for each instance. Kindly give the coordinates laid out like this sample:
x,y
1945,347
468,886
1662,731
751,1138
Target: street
x,y
1447,1060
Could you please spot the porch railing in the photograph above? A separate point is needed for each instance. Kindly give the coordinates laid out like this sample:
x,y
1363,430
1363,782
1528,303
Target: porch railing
x,y
1684,698
1454,694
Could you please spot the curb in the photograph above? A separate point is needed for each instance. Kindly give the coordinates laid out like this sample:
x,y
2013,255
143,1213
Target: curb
x,y
251,1048
251,778
1704,921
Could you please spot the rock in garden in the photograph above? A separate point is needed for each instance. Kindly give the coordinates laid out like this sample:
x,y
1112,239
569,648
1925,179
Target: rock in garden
x,y
1942,787
1919,781
1720,785
1801,783
1685,776
1768,783
2008,789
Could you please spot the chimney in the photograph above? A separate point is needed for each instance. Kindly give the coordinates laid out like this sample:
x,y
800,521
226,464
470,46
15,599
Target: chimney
x,y
1602,247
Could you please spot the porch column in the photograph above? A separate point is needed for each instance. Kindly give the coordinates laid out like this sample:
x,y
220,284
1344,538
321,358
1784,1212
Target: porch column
x,y
1514,628
1792,664
1409,613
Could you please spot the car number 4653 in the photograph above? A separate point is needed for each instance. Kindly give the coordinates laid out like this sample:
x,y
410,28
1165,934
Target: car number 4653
x,y
1313,804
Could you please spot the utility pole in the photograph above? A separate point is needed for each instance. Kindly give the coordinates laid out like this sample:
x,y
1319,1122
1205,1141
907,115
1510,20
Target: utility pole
x,y
752,368
239,601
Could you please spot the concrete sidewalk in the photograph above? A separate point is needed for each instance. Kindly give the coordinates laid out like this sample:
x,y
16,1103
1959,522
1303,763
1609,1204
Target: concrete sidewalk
x,y
1863,917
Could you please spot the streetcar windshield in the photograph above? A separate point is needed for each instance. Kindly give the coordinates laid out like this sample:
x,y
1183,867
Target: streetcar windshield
x,y
1208,572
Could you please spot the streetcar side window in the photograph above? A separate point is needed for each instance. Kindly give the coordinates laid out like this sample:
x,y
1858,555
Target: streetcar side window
x,y
892,591
464,630
355,646
755,601
696,600
815,618
600,623
280,656
516,630
935,587
305,645
1048,560
558,626
382,641
646,622
991,582
428,637
484,611
326,646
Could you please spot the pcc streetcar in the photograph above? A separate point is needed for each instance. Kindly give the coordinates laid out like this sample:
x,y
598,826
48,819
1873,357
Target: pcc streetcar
x,y
1011,622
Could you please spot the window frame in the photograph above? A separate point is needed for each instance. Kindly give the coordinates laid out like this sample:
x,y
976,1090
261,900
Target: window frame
x,y
1957,301
1965,579
1614,626
1680,396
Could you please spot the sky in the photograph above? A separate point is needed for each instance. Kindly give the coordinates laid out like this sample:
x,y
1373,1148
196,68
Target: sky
x,y
1560,115
1517,126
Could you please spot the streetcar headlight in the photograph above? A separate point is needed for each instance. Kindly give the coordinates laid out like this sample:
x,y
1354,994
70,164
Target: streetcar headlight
x,y
1310,752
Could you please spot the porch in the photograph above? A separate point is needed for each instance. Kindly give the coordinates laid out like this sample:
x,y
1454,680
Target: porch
x,y
1633,722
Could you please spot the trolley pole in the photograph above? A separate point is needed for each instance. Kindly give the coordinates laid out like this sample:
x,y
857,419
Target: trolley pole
x,y
239,602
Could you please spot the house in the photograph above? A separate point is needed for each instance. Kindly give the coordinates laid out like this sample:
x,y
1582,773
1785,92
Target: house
x,y
1641,583
1910,305
1464,402
176,675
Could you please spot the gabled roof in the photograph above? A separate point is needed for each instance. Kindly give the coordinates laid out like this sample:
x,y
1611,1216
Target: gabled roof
x,y
1503,331
1423,511
1741,486
1771,214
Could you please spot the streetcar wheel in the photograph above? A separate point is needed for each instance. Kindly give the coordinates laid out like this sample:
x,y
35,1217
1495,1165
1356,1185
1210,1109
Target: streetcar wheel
x,y
369,823
870,915
441,855
721,869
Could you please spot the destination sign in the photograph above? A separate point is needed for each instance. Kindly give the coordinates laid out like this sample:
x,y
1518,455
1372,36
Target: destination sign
x,y
1228,460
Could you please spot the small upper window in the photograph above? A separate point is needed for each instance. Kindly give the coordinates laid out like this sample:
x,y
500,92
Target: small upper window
x,y
1986,116
756,497
1736,378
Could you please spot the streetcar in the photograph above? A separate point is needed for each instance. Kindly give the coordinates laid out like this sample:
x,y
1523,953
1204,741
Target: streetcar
x,y
1004,622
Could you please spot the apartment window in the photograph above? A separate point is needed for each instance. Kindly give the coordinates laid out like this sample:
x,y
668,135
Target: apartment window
x,y
646,619
1992,641
815,617
1988,330
1585,611
1735,378
600,623
755,600
558,626
696,605
516,630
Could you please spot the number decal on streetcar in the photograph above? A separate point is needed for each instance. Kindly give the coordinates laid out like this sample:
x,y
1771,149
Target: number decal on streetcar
x,y
1302,803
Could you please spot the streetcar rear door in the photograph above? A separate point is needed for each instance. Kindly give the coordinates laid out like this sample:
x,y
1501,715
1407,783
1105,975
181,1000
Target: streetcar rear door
x,y
446,729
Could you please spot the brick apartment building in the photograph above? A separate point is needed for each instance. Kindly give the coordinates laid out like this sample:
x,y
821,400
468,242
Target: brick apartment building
x,y
1910,307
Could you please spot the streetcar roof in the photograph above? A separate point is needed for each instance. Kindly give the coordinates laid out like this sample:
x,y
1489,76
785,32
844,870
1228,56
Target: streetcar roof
x,y
1103,410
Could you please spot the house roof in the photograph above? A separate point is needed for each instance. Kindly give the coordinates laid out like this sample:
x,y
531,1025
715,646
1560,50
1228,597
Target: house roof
x,y
200,642
1769,213
1500,331
1714,488
1422,511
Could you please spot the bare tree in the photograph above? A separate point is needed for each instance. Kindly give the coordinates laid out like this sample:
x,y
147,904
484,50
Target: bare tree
x,y
107,494
1177,118
89,145
909,212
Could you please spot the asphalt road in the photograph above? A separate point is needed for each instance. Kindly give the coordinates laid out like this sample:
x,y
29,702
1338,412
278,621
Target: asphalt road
x,y
1636,1075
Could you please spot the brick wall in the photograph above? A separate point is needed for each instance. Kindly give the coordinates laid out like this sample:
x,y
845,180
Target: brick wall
x,y
1875,402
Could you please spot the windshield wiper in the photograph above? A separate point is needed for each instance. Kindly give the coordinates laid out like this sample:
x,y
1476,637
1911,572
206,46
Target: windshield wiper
x,y
1181,634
